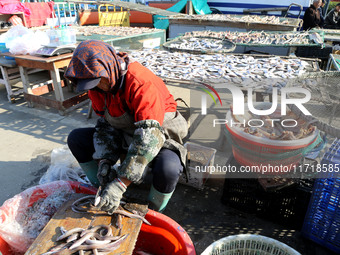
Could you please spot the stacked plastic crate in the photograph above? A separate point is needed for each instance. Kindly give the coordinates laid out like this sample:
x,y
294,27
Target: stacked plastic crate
x,y
322,221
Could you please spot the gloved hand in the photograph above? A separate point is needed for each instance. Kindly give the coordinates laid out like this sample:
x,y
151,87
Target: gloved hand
x,y
112,194
105,174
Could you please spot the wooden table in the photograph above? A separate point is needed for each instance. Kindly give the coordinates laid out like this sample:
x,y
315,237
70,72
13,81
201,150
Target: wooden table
x,y
53,65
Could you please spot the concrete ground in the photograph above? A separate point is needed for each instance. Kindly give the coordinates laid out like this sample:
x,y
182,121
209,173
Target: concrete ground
x,y
28,135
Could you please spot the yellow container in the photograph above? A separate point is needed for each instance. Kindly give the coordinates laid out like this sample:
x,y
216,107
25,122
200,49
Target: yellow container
x,y
113,17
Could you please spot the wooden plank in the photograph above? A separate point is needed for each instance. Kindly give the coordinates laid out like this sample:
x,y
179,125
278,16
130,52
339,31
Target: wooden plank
x,y
68,103
59,105
42,59
68,219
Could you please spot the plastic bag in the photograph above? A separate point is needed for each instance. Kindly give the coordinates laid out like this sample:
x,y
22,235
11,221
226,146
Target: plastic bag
x,y
14,32
24,216
28,43
21,40
64,167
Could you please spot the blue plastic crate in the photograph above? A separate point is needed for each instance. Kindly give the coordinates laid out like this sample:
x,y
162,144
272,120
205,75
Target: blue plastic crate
x,y
322,221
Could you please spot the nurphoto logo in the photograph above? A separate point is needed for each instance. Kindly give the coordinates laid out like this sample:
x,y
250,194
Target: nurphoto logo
x,y
238,105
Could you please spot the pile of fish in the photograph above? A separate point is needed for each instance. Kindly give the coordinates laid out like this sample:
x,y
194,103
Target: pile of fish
x,y
262,38
234,18
194,43
273,128
244,70
98,239
115,31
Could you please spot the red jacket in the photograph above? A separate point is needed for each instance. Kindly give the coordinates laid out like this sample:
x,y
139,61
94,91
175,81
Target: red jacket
x,y
145,96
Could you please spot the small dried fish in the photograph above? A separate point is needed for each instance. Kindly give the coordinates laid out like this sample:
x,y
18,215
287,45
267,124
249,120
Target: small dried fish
x,y
262,37
106,228
248,71
73,237
82,240
111,30
131,215
57,248
233,18
194,43
101,247
69,233
94,240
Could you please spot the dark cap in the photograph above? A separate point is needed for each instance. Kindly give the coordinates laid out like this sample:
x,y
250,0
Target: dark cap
x,y
338,4
86,84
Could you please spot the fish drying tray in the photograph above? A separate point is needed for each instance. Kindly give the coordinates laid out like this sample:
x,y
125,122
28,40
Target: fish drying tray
x,y
227,46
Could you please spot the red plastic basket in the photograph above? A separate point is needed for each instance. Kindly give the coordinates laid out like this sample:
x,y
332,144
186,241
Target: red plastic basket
x,y
250,150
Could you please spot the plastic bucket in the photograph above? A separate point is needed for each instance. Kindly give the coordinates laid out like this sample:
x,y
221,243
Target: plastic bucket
x,y
169,236
164,236
4,49
250,150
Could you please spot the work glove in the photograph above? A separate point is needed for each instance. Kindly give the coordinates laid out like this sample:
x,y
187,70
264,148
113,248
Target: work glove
x,y
148,140
111,195
105,172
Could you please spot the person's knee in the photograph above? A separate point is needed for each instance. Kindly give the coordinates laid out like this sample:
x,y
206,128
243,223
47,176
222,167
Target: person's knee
x,y
80,143
172,170
166,171
72,138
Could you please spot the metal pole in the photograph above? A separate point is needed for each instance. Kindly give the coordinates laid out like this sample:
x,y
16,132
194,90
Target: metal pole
x,y
190,8
325,8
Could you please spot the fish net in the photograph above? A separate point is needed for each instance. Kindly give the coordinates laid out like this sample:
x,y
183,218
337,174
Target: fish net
x,y
324,104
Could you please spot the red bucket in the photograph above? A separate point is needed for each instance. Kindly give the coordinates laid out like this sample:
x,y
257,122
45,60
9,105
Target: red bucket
x,y
263,154
164,236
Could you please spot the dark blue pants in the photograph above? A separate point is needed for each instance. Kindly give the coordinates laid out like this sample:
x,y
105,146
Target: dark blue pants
x,y
166,166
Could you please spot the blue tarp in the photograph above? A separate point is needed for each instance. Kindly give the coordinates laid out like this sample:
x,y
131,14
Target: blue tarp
x,y
200,7
164,23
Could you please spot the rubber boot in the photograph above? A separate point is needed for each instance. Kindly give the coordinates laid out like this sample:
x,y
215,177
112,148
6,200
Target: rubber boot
x,y
91,168
158,200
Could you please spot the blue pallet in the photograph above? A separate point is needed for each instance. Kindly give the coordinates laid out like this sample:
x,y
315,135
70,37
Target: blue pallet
x,y
322,221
